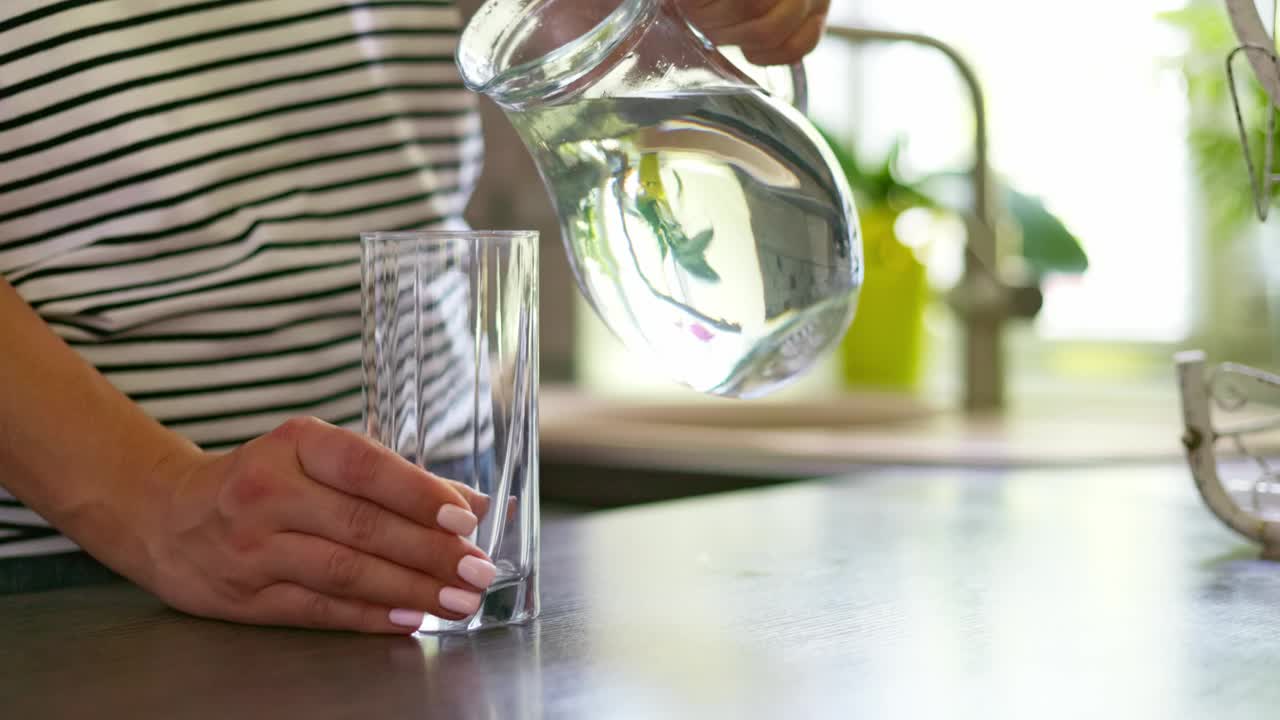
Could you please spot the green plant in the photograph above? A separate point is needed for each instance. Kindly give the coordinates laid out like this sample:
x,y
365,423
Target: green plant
x,y
1212,132
880,184
1047,245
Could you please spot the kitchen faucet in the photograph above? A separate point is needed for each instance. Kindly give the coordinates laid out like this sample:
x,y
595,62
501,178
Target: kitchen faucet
x,y
983,300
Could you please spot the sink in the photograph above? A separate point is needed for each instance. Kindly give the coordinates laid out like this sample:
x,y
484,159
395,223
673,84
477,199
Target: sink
x,y
832,433
874,410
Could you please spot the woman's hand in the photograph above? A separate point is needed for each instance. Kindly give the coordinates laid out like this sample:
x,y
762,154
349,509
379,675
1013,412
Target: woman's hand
x,y
309,525
312,526
769,32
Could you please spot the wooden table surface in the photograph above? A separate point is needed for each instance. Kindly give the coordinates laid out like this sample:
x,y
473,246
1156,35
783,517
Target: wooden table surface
x,y
1068,593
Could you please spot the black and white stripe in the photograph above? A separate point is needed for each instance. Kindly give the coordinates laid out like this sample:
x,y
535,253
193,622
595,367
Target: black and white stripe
x,y
182,185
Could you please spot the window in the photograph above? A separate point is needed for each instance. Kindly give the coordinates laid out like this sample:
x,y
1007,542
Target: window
x,y
1085,111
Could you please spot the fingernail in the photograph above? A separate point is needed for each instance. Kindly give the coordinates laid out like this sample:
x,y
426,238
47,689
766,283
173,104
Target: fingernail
x,y
460,601
477,571
456,520
406,618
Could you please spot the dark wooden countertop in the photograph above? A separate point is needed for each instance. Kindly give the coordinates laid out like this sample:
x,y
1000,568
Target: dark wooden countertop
x,y
1069,593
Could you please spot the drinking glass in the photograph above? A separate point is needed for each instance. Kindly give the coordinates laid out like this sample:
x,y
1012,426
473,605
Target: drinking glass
x,y
451,384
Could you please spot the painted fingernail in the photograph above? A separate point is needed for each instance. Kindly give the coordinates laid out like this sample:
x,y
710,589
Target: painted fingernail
x,y
406,618
460,601
479,573
456,520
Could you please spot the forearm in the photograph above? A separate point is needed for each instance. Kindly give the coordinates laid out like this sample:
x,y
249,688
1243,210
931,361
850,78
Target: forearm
x,y
71,444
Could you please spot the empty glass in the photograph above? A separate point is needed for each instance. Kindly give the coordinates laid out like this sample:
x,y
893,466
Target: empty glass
x,y
451,384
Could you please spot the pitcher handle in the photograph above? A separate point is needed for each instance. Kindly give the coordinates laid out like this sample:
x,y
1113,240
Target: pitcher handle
x,y
800,88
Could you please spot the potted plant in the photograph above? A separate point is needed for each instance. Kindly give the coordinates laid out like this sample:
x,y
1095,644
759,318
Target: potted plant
x,y
886,346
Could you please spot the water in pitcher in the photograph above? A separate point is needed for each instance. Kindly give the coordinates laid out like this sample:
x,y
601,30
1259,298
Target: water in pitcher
x,y
707,229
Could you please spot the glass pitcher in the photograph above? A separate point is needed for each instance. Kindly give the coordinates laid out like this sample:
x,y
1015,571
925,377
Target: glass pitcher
x,y
706,221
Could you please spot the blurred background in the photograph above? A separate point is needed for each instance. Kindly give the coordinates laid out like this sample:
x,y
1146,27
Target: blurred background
x,y
1123,196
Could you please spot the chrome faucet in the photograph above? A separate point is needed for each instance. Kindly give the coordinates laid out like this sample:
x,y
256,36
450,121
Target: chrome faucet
x,y
983,299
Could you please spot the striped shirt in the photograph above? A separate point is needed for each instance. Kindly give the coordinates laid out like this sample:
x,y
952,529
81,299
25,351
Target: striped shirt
x,y
183,186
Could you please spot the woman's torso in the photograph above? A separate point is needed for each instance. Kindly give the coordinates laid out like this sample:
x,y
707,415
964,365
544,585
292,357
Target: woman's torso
x,y
184,185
